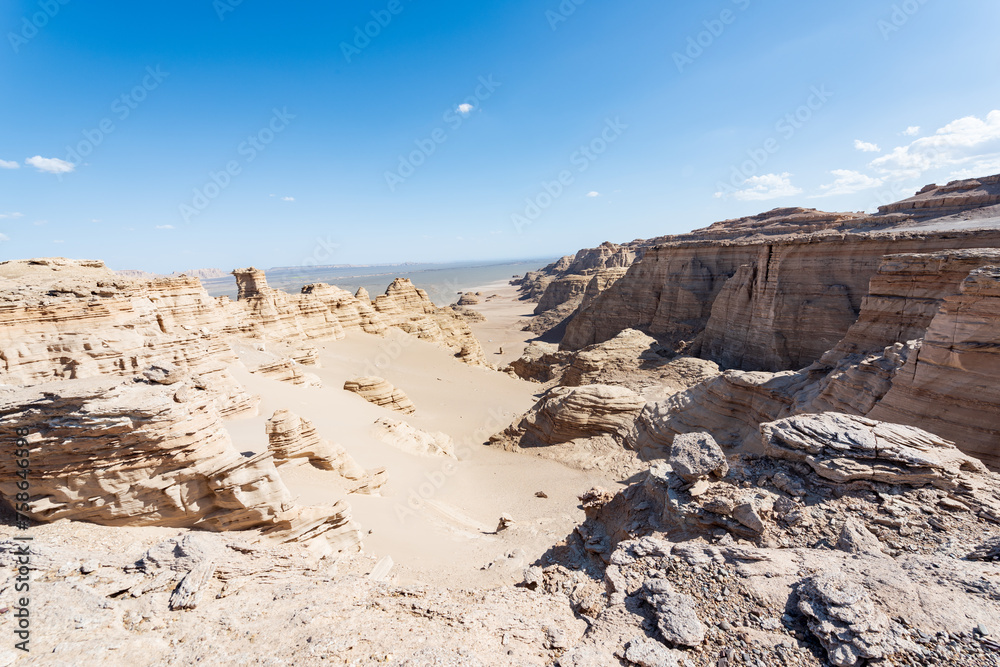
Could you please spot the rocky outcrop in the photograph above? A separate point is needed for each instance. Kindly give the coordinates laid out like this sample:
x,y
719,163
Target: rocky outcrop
x,y
287,370
147,454
777,222
868,561
754,305
320,311
380,392
949,387
293,440
930,297
631,359
587,427
412,440
935,201
405,307
469,299
846,448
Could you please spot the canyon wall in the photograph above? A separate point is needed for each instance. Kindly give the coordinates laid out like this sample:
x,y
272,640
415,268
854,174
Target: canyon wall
x,y
754,305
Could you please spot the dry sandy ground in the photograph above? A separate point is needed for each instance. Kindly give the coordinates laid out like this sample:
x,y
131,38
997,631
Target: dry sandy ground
x,y
500,330
437,516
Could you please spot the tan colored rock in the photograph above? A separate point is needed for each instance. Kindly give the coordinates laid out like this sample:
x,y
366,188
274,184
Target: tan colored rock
x,y
294,441
412,440
137,457
405,307
378,391
589,427
468,299
287,370
762,305
950,386
843,448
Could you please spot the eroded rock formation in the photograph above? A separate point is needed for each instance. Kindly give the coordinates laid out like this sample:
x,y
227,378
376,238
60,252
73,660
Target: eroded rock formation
x,y
134,453
294,441
380,392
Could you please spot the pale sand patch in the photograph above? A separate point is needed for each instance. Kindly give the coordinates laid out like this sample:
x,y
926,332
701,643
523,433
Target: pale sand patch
x,y
437,515
500,330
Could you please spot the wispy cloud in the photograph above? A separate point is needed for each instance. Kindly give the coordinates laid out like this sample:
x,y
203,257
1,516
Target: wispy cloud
x,y
9,164
593,194
288,199
962,143
50,165
764,187
4,237
911,131
58,241
11,215
848,182
866,147
40,223
164,226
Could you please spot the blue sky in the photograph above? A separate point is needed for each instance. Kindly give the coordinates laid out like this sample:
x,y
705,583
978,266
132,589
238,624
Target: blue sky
x,y
176,135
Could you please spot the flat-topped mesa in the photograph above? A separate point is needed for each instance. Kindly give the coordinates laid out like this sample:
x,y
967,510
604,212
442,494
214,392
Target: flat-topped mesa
x,y
250,283
791,220
957,196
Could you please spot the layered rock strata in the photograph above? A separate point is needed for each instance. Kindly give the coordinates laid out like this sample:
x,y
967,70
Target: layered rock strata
x,y
405,307
380,392
754,305
293,440
137,453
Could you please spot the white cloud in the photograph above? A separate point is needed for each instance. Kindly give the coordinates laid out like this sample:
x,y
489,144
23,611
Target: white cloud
x,y
848,182
59,241
4,237
288,199
465,108
964,143
866,147
764,187
50,165
39,223
11,215
164,226
593,194
912,131
9,164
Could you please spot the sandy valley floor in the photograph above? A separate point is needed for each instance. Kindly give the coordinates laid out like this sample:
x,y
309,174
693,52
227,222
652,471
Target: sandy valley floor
x,y
436,517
